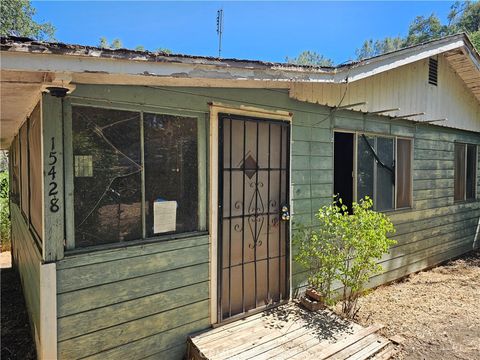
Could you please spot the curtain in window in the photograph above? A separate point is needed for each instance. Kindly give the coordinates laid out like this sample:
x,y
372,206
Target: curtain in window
x,y
471,171
385,174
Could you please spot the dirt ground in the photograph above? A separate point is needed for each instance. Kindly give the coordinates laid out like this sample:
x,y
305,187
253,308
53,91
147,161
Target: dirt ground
x,y
436,311
16,339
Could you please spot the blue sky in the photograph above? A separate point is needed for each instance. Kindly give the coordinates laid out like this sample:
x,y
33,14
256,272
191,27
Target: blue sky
x,y
252,30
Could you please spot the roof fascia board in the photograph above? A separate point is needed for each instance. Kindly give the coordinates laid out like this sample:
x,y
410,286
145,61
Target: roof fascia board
x,y
27,61
394,60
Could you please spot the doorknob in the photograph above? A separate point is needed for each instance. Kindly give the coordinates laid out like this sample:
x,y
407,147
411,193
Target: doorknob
x,y
285,213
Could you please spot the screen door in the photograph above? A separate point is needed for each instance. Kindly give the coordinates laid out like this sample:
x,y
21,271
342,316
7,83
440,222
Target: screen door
x,y
253,214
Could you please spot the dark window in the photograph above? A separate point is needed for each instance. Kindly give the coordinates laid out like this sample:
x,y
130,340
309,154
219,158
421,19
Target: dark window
x,y
465,171
116,171
171,173
343,167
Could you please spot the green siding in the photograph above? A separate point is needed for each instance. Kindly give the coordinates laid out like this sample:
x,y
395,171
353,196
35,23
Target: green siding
x,y
143,300
27,259
112,301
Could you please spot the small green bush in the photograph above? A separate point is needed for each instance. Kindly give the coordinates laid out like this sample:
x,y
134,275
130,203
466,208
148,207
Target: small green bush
x,y
343,247
4,212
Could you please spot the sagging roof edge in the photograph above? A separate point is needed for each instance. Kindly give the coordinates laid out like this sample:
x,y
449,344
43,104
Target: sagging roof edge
x,y
277,71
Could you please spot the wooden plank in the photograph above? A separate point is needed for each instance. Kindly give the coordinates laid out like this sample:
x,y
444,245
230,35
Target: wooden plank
x,y
154,344
113,293
52,125
370,350
133,250
118,335
355,348
104,317
48,312
113,271
339,345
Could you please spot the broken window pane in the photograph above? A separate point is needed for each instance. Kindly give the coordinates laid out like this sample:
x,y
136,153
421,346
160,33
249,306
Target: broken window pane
x,y
385,175
365,169
171,173
107,204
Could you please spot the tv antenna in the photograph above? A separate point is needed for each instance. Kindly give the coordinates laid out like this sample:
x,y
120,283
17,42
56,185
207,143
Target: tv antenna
x,y
220,30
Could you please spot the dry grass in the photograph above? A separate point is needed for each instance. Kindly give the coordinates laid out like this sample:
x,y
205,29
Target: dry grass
x,y
436,311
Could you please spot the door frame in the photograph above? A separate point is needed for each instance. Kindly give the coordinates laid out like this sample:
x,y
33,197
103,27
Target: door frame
x,y
259,113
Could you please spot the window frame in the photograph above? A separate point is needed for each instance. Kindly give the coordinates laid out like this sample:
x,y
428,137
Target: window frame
x,y
475,197
357,134
202,141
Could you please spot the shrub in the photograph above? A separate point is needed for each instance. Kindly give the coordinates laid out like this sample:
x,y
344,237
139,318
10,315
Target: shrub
x,y
343,247
4,211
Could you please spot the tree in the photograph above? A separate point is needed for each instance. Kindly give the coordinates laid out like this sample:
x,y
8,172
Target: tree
x,y
164,51
116,44
139,48
17,19
371,48
463,17
103,43
310,58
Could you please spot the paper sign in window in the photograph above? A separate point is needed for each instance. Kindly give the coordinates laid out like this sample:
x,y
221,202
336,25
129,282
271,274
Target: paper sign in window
x,y
83,166
164,216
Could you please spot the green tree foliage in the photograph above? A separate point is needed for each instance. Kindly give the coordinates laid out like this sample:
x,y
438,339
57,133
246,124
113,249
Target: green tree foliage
x,y
164,51
463,17
4,207
343,247
310,58
17,19
139,48
115,44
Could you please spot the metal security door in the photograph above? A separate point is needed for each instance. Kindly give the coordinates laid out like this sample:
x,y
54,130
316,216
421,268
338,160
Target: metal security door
x,y
253,214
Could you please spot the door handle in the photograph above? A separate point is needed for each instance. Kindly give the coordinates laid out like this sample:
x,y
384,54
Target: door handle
x,y
285,213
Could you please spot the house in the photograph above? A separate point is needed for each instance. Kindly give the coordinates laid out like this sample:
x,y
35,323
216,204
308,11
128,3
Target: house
x,y
151,193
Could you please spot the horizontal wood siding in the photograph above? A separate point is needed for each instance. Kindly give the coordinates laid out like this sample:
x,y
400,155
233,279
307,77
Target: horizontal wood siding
x,y
435,228
133,302
141,301
27,260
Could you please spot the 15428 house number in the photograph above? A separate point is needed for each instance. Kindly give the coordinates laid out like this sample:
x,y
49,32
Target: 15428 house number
x,y
52,186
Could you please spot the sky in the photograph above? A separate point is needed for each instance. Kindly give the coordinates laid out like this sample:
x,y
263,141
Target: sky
x,y
267,30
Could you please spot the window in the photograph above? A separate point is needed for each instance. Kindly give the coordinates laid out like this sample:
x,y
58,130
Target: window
x,y
384,171
24,196
135,175
465,172
36,173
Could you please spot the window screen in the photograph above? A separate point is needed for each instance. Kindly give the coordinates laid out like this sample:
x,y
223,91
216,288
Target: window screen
x,y
24,197
35,161
465,171
107,195
365,171
171,175
129,188
384,170
385,174
404,173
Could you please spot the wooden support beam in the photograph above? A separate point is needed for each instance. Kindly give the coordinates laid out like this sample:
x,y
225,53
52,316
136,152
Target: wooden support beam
x,y
53,198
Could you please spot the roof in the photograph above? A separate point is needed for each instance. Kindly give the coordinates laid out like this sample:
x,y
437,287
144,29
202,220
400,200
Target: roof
x,y
28,65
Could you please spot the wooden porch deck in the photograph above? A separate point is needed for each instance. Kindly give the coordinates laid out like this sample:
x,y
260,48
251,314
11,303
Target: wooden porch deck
x,y
290,332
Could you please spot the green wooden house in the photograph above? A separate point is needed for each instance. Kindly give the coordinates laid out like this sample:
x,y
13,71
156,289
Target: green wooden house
x,y
155,195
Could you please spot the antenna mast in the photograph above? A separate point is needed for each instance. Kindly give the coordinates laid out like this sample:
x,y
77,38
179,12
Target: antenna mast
x,y
220,30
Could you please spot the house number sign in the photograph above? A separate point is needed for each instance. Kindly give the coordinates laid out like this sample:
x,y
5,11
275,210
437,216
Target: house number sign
x,y
52,186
